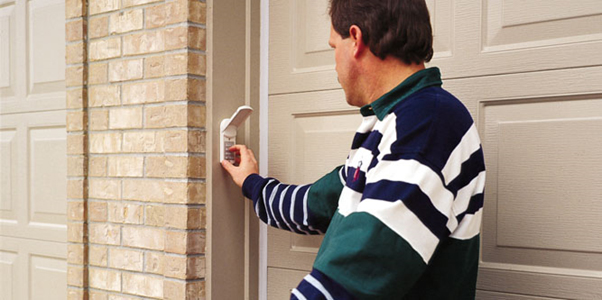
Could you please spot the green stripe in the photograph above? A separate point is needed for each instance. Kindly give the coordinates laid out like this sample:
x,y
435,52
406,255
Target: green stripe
x,y
367,258
323,198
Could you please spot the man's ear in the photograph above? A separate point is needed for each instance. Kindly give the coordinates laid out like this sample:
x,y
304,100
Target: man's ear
x,y
355,33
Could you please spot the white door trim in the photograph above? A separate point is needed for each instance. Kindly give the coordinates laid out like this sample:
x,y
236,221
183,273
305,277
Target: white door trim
x,y
263,137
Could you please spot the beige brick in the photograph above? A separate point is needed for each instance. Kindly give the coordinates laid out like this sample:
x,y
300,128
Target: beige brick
x,y
98,73
75,210
153,66
174,290
197,64
176,192
105,234
176,64
144,43
74,30
97,295
144,92
182,242
196,167
127,166
176,141
98,27
126,21
76,232
176,38
184,217
105,49
76,166
143,190
143,285
197,12
124,259
183,267
195,290
76,120
122,297
98,166
176,12
143,141
98,256
196,115
196,141
143,237
126,70
197,38
75,275
196,89
105,95
125,213
167,167
105,142
125,118
74,76
153,263
97,211
155,215
105,188
99,119
75,98
196,192
73,9
75,294
75,188
166,116
101,6
75,253
155,16
105,279
176,89
74,53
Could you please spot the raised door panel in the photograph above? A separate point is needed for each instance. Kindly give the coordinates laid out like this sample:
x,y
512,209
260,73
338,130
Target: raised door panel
x,y
7,50
34,164
8,270
542,144
512,36
300,58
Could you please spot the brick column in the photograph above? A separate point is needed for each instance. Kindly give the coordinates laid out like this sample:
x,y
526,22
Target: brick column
x,y
136,146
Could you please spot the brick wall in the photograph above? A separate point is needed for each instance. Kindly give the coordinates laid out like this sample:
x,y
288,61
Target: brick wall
x,y
136,148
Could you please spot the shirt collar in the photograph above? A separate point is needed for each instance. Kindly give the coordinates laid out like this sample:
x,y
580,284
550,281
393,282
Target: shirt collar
x,y
419,80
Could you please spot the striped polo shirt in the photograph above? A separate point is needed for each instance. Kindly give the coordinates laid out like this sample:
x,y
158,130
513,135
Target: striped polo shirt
x,y
402,216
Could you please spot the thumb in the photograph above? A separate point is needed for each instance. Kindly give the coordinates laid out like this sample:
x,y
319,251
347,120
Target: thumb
x,y
228,166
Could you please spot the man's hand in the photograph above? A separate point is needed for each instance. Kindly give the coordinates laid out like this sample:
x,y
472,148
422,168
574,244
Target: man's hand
x,y
247,164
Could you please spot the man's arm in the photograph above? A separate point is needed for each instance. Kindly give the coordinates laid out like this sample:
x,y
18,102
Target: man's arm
x,y
303,209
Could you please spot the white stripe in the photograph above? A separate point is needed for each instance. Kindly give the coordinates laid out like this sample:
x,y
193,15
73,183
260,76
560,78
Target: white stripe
x,y
272,196
468,145
265,203
349,201
367,124
318,285
364,155
476,186
469,227
404,222
292,211
341,175
413,172
280,207
389,135
298,295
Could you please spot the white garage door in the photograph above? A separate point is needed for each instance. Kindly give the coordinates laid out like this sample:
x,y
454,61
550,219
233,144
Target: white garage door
x,y
33,150
530,72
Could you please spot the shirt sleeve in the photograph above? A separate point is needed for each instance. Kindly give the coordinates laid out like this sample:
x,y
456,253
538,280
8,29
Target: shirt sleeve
x,y
303,209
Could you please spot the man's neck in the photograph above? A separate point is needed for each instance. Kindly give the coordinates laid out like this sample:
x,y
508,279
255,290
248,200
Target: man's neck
x,y
381,76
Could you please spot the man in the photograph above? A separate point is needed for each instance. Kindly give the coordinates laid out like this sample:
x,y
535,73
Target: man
x,y
402,216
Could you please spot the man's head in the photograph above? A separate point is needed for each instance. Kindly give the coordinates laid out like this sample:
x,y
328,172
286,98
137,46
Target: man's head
x,y
398,28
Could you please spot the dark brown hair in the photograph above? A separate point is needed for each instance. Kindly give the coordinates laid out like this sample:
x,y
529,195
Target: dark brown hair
x,y
400,28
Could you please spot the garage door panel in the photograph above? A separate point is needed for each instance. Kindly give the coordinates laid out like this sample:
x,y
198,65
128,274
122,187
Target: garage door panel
x,y
8,268
7,34
8,168
48,276
46,36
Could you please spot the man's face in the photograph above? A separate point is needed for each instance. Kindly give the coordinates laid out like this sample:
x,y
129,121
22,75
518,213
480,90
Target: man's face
x,y
343,54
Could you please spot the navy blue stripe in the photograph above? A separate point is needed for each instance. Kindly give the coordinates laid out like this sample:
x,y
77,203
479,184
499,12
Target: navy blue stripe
x,y
276,206
359,139
371,143
470,169
476,203
269,189
309,291
414,199
335,290
286,208
358,184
